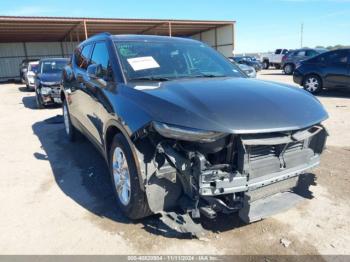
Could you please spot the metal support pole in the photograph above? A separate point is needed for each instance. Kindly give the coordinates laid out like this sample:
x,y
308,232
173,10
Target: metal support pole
x,y
62,48
216,38
85,30
77,35
25,50
170,31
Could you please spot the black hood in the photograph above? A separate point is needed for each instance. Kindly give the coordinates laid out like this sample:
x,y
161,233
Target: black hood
x,y
232,105
51,77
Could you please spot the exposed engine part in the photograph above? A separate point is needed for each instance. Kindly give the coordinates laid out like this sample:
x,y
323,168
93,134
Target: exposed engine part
x,y
252,174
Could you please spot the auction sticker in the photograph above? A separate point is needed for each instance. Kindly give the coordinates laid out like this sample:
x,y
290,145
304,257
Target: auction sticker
x,y
142,63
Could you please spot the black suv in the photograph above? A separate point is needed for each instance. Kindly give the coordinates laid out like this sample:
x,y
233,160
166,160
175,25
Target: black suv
x,y
48,81
328,70
291,60
248,60
181,126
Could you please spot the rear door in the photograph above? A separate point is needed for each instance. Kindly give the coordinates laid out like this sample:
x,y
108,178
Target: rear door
x,y
78,105
336,71
99,107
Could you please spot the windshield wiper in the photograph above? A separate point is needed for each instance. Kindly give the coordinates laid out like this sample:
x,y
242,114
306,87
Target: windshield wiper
x,y
149,78
209,75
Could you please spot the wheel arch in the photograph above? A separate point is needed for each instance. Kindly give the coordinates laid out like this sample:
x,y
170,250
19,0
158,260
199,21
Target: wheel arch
x,y
113,128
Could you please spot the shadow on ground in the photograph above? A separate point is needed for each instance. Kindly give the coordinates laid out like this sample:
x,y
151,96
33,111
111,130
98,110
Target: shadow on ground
x,y
82,174
30,103
336,92
24,89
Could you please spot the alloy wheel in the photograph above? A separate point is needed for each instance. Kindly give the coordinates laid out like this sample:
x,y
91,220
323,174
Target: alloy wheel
x,y
288,69
312,84
66,119
121,176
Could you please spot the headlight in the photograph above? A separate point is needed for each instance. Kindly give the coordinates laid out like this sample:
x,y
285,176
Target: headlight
x,y
45,90
185,133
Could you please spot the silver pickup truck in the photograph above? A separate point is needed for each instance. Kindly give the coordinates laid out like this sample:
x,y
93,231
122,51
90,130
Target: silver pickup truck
x,y
273,59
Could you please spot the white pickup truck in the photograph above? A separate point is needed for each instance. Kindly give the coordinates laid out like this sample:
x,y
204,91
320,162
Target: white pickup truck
x,y
273,59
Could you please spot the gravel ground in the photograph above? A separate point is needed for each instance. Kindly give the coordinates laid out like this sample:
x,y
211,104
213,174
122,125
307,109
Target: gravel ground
x,y
56,198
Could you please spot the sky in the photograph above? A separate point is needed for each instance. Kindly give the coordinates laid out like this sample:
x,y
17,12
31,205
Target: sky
x,y
261,25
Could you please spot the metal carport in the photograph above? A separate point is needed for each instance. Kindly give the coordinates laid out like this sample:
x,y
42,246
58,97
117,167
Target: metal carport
x,y
37,37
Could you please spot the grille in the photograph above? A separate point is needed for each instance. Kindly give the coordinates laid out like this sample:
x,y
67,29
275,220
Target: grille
x,y
260,152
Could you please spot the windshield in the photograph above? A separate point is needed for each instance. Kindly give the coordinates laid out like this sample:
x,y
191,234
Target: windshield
x,y
172,60
52,67
33,67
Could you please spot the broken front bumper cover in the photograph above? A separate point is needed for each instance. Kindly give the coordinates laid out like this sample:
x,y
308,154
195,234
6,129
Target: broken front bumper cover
x,y
238,183
51,94
258,170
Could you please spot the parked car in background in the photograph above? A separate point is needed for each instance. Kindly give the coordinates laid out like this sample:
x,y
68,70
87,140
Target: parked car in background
x,y
32,69
327,70
273,59
48,81
248,70
23,67
293,58
182,128
248,60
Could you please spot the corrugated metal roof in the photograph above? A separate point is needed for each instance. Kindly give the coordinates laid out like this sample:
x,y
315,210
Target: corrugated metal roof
x,y
34,29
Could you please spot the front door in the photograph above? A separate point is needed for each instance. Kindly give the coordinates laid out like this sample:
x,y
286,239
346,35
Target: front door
x,y
337,69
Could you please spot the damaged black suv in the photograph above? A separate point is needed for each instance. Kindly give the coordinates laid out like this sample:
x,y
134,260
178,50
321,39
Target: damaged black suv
x,y
182,128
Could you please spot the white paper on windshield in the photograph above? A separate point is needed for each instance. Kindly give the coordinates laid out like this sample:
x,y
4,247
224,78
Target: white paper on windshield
x,y
142,63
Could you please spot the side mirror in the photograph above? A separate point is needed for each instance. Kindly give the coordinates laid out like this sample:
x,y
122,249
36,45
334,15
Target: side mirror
x,y
94,71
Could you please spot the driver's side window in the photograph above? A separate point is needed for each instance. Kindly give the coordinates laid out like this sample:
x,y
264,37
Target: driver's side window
x,y
100,56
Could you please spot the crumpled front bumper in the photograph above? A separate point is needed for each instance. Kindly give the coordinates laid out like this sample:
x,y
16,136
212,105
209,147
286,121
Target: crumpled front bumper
x,y
51,94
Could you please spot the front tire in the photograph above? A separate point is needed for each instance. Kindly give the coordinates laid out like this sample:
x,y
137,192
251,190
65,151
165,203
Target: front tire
x,y
288,69
71,132
38,100
130,198
312,84
265,64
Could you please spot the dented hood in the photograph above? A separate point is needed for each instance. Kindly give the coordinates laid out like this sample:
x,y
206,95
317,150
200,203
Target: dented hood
x,y
232,105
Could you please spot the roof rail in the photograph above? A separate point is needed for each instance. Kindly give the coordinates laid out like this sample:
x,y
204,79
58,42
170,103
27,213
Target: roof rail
x,y
103,33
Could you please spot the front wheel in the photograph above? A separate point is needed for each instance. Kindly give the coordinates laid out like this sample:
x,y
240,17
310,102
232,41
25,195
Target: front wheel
x,y
288,69
130,198
69,128
265,65
38,100
312,84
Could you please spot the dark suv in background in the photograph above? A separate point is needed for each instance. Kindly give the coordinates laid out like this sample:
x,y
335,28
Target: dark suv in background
x,y
248,60
292,59
328,70
48,81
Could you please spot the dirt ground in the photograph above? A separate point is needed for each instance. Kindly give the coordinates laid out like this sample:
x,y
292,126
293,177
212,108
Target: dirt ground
x,y
56,198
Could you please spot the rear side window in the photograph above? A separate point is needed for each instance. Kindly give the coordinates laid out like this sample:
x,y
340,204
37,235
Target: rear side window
x,y
333,57
278,51
310,53
100,56
82,56
301,53
338,57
